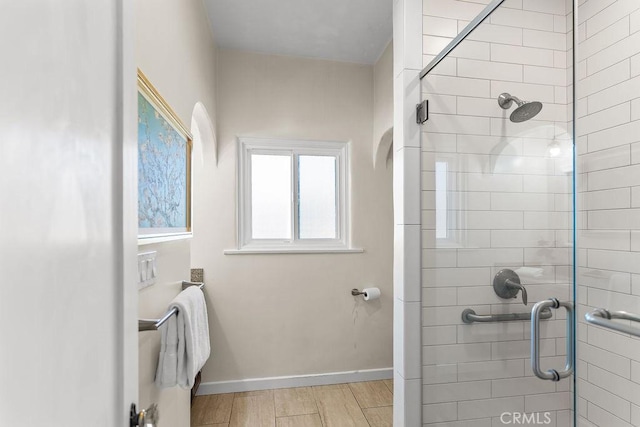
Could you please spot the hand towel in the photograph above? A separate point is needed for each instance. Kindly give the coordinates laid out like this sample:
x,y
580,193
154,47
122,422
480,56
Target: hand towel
x,y
184,346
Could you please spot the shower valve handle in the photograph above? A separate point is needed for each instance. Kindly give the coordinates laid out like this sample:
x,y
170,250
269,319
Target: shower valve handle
x,y
507,284
518,287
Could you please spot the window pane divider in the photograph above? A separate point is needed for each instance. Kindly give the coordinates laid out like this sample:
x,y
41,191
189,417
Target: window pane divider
x,y
295,233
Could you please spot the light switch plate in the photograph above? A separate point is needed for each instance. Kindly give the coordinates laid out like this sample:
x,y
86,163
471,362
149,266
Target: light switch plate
x,y
147,269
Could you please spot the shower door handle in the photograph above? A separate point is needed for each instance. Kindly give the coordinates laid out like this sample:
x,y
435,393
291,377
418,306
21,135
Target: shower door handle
x,y
551,374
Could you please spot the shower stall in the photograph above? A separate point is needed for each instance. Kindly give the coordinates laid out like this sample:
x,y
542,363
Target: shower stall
x,y
529,205
497,228
521,194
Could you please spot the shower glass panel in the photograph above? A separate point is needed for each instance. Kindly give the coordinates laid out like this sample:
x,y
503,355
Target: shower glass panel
x,y
498,219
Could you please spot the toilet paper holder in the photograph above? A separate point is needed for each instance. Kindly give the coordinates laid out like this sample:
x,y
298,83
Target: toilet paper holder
x,y
368,293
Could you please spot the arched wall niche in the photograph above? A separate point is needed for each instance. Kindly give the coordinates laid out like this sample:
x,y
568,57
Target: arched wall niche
x,y
205,145
204,153
383,151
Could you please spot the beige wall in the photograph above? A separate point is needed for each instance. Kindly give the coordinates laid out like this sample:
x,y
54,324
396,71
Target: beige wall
x,y
282,315
175,49
383,106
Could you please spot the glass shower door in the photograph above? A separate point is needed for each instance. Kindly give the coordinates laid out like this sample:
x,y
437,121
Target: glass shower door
x,y
498,220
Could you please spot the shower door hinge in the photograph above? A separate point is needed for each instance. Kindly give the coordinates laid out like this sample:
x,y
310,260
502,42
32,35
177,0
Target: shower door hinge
x,y
422,112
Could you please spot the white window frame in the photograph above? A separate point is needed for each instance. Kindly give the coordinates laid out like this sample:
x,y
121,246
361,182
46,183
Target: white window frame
x,y
339,150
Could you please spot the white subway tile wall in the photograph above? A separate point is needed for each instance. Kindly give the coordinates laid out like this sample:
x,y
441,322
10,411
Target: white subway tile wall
x,y
407,56
608,92
508,205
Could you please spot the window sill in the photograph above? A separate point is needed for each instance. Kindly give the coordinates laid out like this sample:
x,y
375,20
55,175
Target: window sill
x,y
260,251
151,239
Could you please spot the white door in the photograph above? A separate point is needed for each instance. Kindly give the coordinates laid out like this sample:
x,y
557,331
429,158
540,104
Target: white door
x,y
68,333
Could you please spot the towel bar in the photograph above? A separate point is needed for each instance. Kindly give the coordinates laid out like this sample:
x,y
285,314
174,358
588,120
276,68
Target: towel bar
x,y
154,324
602,317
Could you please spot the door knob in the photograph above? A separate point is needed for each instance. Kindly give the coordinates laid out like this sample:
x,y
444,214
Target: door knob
x,y
144,418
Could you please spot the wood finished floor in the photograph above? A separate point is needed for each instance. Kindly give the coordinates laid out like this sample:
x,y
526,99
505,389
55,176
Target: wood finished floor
x,y
366,404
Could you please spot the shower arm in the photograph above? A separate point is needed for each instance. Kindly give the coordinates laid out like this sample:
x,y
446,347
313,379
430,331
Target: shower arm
x,y
505,100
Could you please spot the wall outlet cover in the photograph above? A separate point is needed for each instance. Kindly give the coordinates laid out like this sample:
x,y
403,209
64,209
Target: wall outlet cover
x,y
197,274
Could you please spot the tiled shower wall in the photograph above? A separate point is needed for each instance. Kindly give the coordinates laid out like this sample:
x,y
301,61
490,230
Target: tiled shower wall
x,y
508,205
608,146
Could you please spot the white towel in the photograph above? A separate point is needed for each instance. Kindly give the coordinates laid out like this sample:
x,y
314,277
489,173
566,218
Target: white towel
x,y
184,346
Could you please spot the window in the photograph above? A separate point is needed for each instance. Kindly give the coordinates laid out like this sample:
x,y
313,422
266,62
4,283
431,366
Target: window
x,y
293,195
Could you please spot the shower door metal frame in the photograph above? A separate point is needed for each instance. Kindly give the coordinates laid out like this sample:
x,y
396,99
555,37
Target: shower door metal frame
x,y
460,37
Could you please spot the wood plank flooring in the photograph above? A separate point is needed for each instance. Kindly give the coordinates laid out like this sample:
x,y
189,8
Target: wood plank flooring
x,y
365,404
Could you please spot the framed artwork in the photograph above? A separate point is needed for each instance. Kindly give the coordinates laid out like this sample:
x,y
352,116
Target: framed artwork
x,y
164,167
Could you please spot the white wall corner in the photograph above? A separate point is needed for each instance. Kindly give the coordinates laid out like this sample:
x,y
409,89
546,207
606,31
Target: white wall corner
x,y
406,95
407,49
407,35
407,285
407,394
412,35
398,37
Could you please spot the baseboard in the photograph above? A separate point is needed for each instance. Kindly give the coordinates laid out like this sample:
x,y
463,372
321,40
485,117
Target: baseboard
x,y
254,384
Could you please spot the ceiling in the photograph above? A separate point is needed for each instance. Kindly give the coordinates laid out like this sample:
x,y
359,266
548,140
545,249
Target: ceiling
x,y
341,30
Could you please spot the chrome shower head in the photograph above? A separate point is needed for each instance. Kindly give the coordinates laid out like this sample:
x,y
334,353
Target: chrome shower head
x,y
525,111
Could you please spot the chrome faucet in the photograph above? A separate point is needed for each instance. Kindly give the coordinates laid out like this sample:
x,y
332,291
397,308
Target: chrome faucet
x,y
507,284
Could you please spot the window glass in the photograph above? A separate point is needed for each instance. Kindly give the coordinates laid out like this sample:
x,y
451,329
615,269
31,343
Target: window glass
x,y
271,196
317,197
